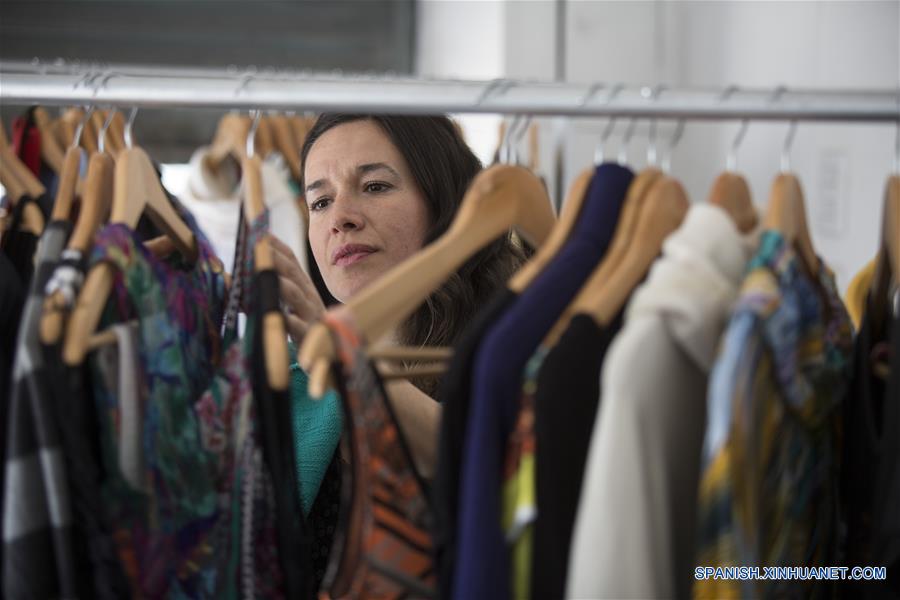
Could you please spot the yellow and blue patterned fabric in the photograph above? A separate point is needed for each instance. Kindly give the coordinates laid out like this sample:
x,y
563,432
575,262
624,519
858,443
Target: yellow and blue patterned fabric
x,y
770,456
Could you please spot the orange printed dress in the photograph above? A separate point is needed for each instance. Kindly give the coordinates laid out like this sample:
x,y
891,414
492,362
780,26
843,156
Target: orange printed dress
x,y
383,548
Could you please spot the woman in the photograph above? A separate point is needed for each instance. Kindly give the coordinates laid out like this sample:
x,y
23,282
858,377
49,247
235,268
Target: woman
x,y
378,189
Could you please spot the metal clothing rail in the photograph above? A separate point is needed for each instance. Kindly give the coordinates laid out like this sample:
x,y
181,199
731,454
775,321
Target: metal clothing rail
x,y
168,87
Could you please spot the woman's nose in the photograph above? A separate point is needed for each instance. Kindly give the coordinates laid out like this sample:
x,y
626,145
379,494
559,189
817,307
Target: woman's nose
x,y
345,218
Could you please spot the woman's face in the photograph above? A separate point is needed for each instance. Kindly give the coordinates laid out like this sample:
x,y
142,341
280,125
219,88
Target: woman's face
x,y
366,213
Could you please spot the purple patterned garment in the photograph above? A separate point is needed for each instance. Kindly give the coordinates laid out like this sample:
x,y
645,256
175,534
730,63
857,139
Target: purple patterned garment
x,y
166,537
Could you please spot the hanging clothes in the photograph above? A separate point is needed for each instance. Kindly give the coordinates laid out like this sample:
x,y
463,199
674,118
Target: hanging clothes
x,y
519,507
71,400
12,299
247,562
27,144
384,549
273,409
37,521
858,293
770,454
179,308
483,569
317,426
454,397
570,371
214,198
870,478
119,366
21,246
636,526
94,549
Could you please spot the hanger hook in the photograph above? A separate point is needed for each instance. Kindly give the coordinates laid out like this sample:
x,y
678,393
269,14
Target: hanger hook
x,y
246,78
520,133
786,149
129,140
251,135
499,86
676,137
731,158
897,148
99,81
897,138
101,142
607,131
654,94
76,139
626,139
590,93
789,140
504,152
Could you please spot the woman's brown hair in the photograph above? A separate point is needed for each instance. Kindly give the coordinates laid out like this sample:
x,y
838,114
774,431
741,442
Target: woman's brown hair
x,y
443,167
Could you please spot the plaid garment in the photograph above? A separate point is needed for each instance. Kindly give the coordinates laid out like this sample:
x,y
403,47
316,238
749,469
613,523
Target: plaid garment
x,y
770,457
37,521
383,548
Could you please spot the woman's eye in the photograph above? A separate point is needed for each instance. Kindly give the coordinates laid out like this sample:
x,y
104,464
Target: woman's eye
x,y
376,187
319,204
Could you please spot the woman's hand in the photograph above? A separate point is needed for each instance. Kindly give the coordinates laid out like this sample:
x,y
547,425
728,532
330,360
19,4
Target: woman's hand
x,y
299,296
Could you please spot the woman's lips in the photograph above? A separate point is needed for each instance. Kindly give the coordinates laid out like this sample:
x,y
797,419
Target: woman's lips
x,y
351,254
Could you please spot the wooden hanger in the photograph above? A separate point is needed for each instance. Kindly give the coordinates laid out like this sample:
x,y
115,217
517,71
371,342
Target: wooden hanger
x,y
230,140
68,125
731,192
4,141
15,188
19,182
501,137
622,239
500,198
136,189
662,213
60,130
561,231
286,144
52,153
274,334
67,187
96,126
28,180
95,206
300,127
887,265
534,159
90,135
786,214
115,136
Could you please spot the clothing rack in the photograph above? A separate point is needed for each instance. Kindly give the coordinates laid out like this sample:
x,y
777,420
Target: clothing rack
x,y
124,86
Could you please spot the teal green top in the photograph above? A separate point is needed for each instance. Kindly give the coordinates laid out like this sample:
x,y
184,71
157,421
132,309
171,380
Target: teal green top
x,y
317,430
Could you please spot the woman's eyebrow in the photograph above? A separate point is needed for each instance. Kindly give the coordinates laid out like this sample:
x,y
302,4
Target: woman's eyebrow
x,y
361,169
315,185
369,167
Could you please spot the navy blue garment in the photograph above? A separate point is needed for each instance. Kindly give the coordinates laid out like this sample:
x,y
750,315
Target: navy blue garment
x,y
483,559
454,396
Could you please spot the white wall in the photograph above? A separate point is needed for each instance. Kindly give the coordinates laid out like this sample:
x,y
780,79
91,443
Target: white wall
x,y
843,167
464,39
823,44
